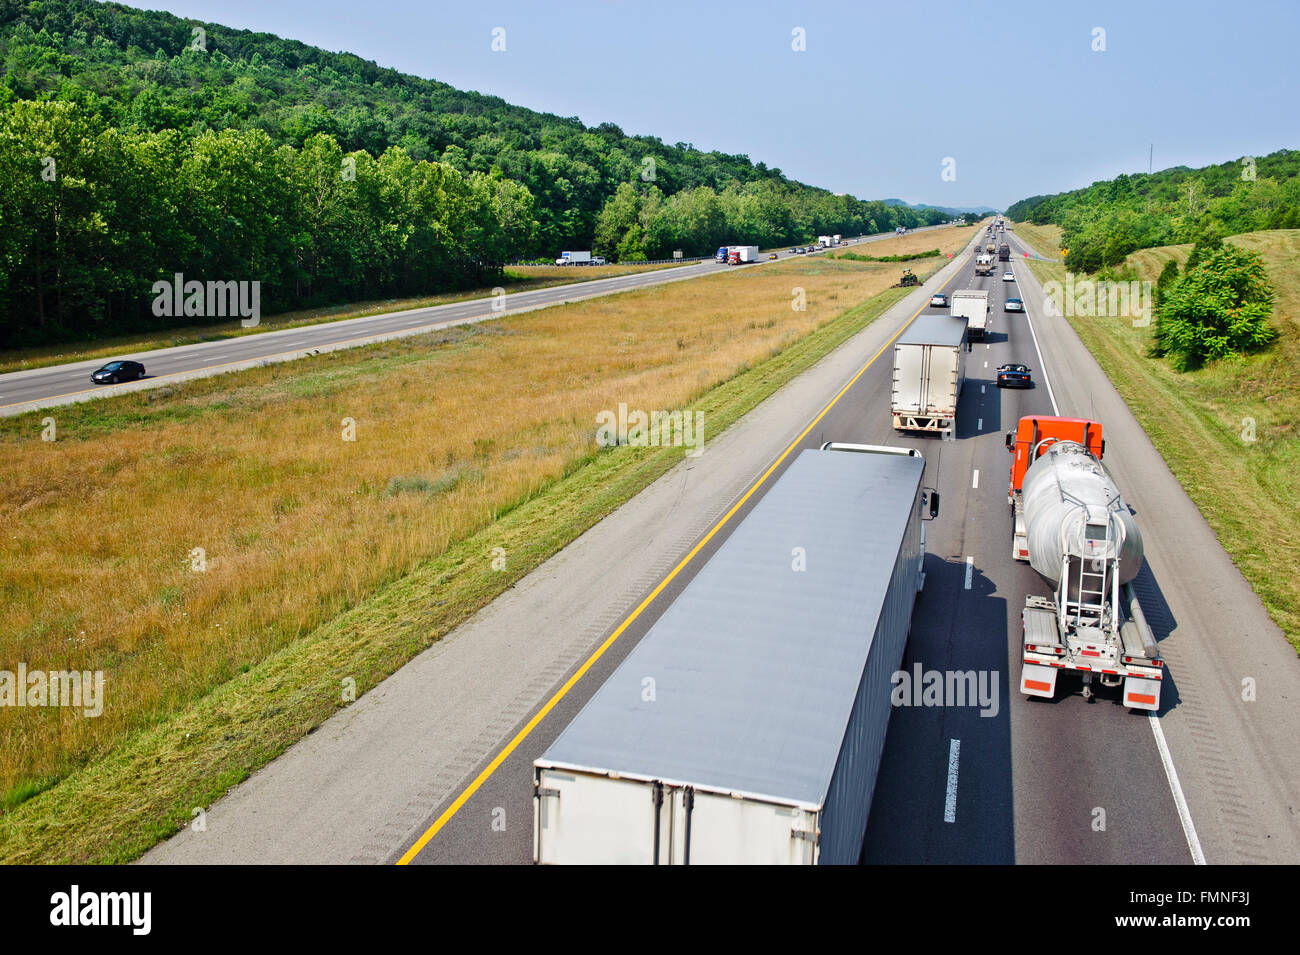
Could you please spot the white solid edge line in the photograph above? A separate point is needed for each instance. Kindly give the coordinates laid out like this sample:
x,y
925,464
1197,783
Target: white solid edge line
x,y
950,799
1184,814
1166,757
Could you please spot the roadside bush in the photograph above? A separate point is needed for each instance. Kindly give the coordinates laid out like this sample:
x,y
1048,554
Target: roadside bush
x,y
1168,278
1218,309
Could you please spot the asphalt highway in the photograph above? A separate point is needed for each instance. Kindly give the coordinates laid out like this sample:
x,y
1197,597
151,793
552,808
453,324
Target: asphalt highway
x,y
435,765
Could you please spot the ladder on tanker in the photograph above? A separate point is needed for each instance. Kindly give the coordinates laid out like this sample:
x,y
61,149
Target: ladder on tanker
x,y
1092,582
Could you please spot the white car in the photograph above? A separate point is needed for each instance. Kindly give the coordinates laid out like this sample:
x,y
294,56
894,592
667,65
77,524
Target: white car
x,y
1008,276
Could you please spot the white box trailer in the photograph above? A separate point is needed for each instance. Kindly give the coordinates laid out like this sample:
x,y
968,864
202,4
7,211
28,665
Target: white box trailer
x,y
929,370
973,305
740,254
574,258
747,726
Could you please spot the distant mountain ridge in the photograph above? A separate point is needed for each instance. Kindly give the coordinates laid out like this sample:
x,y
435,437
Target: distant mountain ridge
x,y
947,210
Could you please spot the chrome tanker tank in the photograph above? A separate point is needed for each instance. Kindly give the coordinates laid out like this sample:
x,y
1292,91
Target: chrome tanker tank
x,y
1072,507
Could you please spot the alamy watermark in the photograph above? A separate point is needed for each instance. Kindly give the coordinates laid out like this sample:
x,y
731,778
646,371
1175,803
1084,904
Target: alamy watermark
x,y
195,299
653,429
946,688
1102,298
77,688
131,910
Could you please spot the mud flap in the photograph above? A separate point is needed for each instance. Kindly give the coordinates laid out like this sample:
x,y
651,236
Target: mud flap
x,y
1038,680
1142,694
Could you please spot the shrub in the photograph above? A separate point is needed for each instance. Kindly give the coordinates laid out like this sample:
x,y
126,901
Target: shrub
x,y
1218,309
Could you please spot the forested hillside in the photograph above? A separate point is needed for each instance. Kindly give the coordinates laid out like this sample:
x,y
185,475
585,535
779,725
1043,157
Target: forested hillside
x,y
135,145
1108,220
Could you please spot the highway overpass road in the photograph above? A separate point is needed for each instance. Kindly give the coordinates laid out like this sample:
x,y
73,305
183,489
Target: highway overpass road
x,y
434,765
61,384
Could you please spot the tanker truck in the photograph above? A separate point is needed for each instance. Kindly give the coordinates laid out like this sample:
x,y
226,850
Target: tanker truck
x,y
1071,525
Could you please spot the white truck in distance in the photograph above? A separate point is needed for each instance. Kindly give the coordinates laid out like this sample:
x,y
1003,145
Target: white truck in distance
x,y
984,264
973,305
929,370
576,258
740,254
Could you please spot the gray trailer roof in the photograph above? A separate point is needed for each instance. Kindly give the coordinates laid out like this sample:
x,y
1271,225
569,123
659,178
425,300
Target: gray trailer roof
x,y
756,665
935,330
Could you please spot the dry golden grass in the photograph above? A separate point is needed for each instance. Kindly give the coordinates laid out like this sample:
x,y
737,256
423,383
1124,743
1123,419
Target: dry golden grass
x,y
296,524
912,243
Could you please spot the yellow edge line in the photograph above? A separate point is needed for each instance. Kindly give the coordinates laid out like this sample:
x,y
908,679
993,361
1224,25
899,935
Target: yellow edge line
x,y
528,728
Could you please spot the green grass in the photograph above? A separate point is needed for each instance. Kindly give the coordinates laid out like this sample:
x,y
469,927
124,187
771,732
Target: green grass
x,y
853,256
1246,489
145,789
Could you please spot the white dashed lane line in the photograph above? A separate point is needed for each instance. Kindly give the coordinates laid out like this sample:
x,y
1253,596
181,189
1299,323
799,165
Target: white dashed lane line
x,y
950,800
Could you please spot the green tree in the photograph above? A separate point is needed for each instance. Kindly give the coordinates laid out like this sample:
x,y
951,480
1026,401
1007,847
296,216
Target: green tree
x,y
1219,308
1168,277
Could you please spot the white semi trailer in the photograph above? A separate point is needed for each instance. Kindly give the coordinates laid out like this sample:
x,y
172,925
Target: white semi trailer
x,y
1072,526
742,254
973,305
929,371
747,726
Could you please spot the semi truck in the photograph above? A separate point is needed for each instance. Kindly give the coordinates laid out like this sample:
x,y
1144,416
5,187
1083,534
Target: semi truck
x,y
828,241
747,726
989,246
1004,252
1070,523
983,264
574,258
973,305
741,254
929,371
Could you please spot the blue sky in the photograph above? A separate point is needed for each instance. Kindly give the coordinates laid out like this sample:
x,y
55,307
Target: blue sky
x,y
882,94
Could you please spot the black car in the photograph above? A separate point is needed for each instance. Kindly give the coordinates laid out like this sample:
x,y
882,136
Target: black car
x,y
116,371
1014,376
1013,305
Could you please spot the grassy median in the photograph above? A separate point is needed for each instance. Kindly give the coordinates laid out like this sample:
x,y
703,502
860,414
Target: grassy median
x,y
325,559
1230,432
